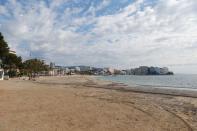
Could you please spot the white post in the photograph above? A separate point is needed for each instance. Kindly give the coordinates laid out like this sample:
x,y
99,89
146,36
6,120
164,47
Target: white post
x,y
1,74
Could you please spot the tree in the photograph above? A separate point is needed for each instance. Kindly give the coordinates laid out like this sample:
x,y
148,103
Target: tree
x,y
1,63
4,49
34,66
10,62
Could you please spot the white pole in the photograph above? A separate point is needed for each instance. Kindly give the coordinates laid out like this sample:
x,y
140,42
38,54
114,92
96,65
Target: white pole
x,y
1,74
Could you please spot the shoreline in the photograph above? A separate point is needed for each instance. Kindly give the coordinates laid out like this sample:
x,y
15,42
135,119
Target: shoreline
x,y
165,90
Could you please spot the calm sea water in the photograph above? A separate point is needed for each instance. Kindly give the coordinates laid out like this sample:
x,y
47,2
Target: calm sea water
x,y
175,81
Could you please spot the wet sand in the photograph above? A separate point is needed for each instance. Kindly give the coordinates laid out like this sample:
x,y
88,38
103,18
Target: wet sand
x,y
82,103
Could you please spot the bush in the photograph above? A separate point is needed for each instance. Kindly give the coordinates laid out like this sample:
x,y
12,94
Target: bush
x,y
12,73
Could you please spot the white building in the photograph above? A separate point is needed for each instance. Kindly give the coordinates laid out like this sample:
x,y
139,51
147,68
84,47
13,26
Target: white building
x,y
1,74
59,71
111,70
77,69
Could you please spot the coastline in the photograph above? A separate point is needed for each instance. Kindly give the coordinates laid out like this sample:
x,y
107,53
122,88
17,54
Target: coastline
x,y
165,90
85,103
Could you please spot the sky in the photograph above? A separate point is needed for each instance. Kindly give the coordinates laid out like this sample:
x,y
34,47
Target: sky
x,y
104,33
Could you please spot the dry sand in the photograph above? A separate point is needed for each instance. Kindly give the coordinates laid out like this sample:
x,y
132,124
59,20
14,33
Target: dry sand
x,y
81,103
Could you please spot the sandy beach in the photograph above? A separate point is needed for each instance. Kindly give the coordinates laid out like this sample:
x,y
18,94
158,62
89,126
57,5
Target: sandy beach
x,y
82,103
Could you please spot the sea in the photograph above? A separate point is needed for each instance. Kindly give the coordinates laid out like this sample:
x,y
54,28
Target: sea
x,y
178,81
